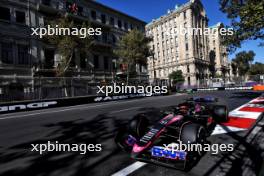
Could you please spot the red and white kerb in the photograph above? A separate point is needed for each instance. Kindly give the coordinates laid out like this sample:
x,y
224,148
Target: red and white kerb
x,y
243,117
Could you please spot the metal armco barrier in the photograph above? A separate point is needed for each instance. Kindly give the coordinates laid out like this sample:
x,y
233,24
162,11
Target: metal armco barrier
x,y
222,88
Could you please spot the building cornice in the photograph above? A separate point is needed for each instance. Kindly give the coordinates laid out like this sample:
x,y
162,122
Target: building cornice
x,y
115,11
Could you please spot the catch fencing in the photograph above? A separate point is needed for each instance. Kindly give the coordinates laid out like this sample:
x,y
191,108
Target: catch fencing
x,y
24,88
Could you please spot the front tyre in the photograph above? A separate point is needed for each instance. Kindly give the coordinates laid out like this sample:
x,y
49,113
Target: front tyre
x,y
138,126
192,133
124,140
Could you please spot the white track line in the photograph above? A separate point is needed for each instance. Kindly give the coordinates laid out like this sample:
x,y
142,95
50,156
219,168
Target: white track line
x,y
46,112
131,168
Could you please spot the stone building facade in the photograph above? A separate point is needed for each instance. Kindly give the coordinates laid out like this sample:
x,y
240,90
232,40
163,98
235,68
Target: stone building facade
x,y
188,53
25,56
219,51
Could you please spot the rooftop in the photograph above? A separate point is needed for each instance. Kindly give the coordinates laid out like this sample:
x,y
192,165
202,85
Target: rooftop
x,y
177,8
116,11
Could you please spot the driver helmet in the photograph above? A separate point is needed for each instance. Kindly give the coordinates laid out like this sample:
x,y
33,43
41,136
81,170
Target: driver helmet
x,y
183,108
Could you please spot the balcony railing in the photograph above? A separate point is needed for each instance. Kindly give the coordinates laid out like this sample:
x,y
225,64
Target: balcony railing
x,y
46,6
46,2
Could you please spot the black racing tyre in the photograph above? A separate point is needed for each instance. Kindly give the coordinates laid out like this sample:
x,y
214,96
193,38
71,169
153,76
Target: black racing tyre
x,y
192,133
120,139
220,113
138,125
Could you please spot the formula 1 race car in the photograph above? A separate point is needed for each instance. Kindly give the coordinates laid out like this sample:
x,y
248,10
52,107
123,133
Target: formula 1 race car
x,y
204,99
190,122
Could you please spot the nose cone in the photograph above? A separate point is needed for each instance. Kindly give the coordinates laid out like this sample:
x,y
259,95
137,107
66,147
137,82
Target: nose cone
x,y
137,148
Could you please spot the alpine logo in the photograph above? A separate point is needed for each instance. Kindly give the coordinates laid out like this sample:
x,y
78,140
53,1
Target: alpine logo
x,y
35,105
147,137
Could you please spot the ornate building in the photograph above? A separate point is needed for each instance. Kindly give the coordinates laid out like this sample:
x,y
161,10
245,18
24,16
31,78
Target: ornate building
x,y
186,52
23,56
218,51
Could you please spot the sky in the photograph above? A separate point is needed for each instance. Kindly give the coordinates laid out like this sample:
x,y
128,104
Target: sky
x,y
147,10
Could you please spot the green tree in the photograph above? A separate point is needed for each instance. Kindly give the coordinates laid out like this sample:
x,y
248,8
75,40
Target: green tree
x,y
67,45
133,49
257,68
212,63
176,78
246,20
234,67
243,60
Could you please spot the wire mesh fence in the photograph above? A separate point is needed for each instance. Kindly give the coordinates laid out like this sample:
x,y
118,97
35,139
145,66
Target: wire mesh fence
x,y
20,88
248,80
24,88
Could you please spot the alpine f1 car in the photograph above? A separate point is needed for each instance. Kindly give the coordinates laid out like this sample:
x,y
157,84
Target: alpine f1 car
x,y
190,122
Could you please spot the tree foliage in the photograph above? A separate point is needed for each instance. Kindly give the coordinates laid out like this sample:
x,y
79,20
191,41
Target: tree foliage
x,y
176,77
67,44
234,68
257,68
247,18
243,60
133,49
212,63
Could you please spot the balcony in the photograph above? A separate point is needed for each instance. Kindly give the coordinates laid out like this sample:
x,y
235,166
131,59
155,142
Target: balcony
x,y
77,17
47,7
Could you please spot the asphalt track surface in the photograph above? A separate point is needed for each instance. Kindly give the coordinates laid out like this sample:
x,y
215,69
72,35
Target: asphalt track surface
x,y
95,123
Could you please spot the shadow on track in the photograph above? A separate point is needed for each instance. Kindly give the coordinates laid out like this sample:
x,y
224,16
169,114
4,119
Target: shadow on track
x,y
233,163
20,160
246,94
99,130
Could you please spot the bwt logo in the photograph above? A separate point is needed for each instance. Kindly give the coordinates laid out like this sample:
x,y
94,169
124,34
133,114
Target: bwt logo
x,y
27,106
171,154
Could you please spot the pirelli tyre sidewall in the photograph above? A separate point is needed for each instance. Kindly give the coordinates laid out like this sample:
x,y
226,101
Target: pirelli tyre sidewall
x,y
192,133
220,113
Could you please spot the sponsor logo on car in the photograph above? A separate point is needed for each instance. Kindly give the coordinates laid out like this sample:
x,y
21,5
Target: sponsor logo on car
x,y
161,152
147,137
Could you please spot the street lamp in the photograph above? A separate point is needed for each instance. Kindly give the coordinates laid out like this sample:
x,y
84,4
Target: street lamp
x,y
113,70
154,71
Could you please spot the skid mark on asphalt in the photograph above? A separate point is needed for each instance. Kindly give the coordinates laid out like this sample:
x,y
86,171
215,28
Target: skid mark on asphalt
x,y
242,118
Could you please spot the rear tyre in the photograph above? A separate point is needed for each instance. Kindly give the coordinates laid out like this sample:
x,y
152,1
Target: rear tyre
x,y
220,113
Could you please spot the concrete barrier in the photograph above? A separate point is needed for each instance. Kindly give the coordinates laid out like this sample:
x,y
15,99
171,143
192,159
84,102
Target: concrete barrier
x,y
52,103
223,88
